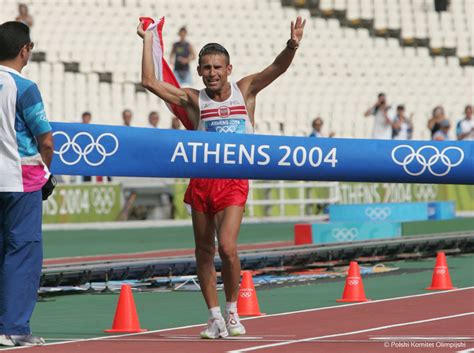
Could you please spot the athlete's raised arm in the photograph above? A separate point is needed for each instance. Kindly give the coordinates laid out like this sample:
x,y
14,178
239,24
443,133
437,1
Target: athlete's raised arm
x,y
253,84
164,90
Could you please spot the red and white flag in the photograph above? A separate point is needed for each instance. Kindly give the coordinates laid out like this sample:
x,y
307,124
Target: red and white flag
x,y
162,70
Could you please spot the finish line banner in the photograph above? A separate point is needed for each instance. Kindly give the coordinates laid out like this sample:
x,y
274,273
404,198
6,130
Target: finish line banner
x,y
82,149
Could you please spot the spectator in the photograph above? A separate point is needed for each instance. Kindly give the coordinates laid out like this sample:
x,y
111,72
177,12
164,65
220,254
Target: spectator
x,y
127,117
443,132
86,117
441,5
182,53
402,126
153,119
175,123
436,118
465,127
24,16
317,127
382,124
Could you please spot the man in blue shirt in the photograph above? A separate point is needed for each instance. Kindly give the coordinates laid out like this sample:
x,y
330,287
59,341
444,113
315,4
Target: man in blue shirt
x,y
26,150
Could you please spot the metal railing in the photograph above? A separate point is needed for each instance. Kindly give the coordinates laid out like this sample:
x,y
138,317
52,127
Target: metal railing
x,y
278,194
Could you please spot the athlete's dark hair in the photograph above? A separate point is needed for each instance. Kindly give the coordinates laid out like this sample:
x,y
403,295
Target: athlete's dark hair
x,y
13,36
213,48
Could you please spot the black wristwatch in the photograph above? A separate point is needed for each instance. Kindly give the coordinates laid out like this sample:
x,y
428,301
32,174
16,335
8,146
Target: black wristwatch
x,y
288,45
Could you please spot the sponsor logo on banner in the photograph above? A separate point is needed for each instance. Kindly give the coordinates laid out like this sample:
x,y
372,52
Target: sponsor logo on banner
x,y
84,146
103,199
425,192
438,163
344,234
82,203
378,213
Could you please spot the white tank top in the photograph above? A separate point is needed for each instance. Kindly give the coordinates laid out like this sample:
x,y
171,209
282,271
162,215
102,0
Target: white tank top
x,y
229,116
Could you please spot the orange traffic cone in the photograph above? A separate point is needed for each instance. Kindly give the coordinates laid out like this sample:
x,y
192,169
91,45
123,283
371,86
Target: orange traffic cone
x,y
126,318
354,288
247,302
441,278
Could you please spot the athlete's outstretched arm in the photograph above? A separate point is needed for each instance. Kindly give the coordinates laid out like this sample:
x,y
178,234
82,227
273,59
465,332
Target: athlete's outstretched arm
x,y
255,83
164,90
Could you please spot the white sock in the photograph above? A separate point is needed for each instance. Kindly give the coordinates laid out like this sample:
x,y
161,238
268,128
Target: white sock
x,y
231,307
215,312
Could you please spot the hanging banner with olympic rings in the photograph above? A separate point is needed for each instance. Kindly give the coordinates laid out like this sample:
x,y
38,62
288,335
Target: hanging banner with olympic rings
x,y
144,152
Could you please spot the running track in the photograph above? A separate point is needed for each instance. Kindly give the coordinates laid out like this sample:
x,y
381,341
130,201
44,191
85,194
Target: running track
x,y
435,318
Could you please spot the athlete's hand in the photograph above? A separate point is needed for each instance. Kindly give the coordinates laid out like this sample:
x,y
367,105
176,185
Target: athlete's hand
x,y
297,31
140,31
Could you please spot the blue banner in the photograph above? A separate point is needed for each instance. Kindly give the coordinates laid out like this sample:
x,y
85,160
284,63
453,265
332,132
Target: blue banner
x,y
442,210
378,212
354,231
124,151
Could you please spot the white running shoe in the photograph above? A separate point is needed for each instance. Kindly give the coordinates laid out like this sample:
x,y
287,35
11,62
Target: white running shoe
x,y
215,329
234,326
6,341
27,340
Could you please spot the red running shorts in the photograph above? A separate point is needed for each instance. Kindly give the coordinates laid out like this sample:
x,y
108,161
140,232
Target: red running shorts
x,y
213,195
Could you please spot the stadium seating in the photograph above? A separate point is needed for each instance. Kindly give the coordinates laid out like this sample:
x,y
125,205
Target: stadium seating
x,y
337,73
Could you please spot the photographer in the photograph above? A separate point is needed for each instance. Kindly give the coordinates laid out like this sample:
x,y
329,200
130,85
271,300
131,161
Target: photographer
x,y
402,125
382,123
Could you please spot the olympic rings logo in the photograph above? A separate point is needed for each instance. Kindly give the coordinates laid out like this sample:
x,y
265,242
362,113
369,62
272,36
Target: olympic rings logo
x,y
441,270
93,145
344,234
227,128
353,281
425,192
103,199
378,213
427,161
246,293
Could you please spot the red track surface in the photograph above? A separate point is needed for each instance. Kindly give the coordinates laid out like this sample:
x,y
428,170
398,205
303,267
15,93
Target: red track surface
x,y
152,254
366,328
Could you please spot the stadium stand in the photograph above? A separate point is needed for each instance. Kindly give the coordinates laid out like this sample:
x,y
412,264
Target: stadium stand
x,y
88,57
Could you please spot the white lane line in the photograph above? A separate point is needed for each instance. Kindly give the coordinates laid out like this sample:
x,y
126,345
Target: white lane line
x,y
349,333
259,317
422,338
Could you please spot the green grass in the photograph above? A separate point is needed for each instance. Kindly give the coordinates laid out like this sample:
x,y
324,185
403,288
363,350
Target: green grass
x,y
98,242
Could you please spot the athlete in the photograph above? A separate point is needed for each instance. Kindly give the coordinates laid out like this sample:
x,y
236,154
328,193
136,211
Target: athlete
x,y
218,204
